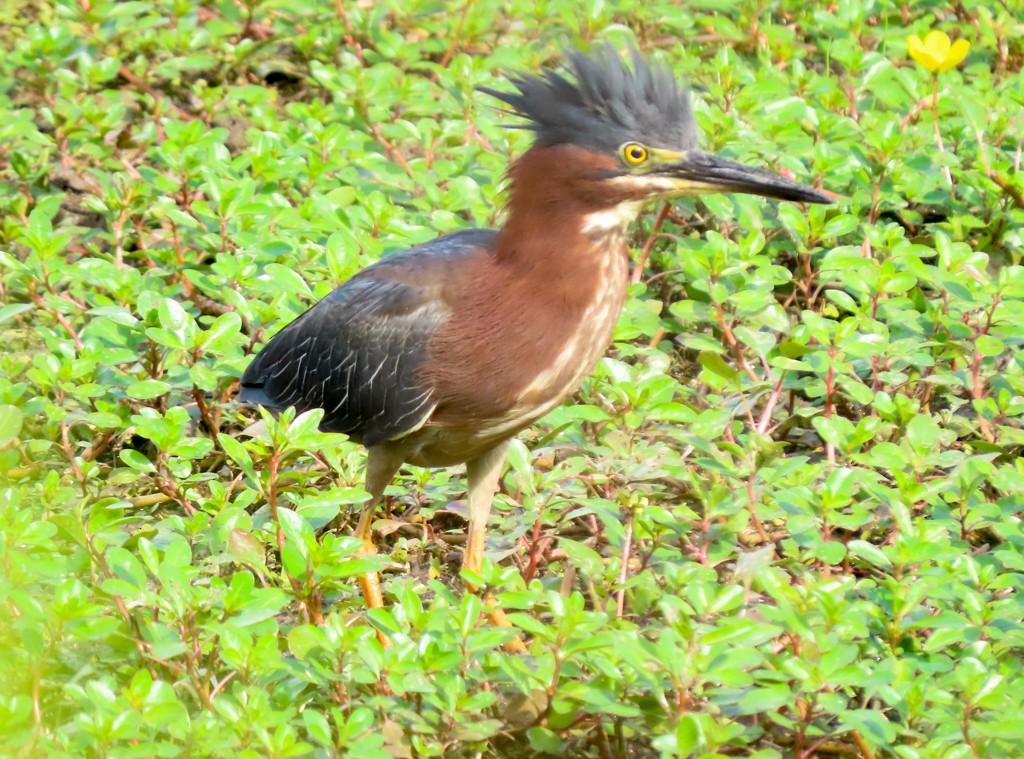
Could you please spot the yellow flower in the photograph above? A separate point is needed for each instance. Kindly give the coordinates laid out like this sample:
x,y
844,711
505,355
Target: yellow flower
x,y
936,53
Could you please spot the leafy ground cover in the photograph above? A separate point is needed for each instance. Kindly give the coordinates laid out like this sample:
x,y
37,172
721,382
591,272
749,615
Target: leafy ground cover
x,y
781,519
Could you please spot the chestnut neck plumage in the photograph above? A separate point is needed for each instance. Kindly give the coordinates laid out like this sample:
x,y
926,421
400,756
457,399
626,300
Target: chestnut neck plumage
x,y
559,216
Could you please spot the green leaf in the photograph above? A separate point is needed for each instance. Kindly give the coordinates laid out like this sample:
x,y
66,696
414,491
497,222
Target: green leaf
x,y
869,552
236,450
715,364
40,224
147,389
689,735
382,620
245,547
12,310
105,420
305,639
584,557
261,604
543,740
742,632
136,460
923,433
469,613
1004,729
872,725
224,332
11,418
318,728
764,699
839,226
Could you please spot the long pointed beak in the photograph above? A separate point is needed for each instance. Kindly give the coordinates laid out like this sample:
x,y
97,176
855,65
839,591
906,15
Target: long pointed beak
x,y
701,174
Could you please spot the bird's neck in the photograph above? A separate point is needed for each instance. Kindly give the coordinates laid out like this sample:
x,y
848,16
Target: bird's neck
x,y
554,227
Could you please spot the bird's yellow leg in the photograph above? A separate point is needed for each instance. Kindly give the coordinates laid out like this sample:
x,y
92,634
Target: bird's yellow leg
x,y
482,474
369,582
381,466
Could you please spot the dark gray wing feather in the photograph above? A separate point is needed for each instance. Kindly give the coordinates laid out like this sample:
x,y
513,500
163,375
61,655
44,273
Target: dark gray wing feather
x,y
358,353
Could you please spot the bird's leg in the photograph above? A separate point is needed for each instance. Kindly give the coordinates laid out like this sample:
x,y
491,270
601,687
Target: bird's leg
x,y
482,474
381,467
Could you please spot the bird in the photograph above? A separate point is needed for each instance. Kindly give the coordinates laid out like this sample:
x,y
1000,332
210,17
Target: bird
x,y
439,355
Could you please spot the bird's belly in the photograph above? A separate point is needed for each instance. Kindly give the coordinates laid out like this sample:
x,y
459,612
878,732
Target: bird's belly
x,y
444,446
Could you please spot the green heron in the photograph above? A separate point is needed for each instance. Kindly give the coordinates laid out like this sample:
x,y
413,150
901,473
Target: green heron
x,y
440,354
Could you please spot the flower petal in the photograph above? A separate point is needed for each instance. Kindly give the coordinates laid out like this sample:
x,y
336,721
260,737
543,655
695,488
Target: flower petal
x,y
956,55
937,43
916,49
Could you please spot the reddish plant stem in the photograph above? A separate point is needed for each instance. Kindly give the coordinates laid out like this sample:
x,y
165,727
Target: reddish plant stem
x,y
769,408
645,252
830,391
627,547
535,552
938,132
272,465
733,343
752,507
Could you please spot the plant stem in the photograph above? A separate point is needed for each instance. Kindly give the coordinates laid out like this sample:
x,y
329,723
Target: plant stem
x,y
935,123
627,545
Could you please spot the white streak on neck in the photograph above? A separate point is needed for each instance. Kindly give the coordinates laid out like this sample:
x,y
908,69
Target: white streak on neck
x,y
611,219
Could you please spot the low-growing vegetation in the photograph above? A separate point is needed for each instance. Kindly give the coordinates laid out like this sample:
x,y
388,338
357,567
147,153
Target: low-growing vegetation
x,y
782,518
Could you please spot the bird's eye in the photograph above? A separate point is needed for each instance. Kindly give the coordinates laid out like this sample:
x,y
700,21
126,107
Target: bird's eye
x,y
633,153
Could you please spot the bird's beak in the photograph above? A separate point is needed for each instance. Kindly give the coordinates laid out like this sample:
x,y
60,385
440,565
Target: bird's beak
x,y
701,174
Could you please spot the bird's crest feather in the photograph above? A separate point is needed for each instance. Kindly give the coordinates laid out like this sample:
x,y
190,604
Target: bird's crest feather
x,y
605,104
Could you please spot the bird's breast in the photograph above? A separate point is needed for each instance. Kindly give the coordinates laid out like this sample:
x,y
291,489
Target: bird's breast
x,y
546,335
586,339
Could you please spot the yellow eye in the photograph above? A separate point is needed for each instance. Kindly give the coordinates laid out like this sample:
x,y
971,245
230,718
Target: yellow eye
x,y
633,153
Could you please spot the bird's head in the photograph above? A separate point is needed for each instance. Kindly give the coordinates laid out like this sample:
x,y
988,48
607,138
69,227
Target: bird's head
x,y
631,135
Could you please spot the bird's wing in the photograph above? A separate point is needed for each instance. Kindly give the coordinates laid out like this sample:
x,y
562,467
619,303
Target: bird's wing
x,y
358,354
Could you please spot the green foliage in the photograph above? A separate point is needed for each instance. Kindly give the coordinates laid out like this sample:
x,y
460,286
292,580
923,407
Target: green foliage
x,y
782,518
